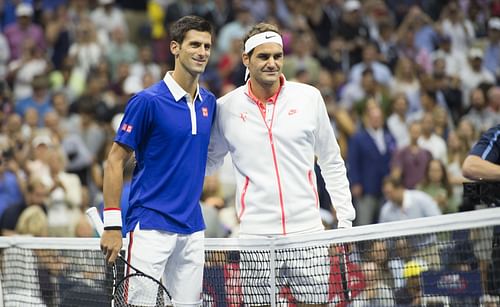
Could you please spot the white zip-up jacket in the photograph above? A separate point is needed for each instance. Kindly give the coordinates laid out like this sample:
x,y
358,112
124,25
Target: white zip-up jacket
x,y
273,161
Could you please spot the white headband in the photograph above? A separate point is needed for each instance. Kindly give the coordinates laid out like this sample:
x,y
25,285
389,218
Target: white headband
x,y
259,39
262,38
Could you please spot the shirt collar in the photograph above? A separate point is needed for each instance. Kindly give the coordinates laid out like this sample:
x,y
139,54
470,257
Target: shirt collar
x,y
272,99
177,91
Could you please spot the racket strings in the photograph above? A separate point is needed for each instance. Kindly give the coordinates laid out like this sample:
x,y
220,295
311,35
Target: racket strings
x,y
139,290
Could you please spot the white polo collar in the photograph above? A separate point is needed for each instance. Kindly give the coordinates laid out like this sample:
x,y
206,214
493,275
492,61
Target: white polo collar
x,y
177,91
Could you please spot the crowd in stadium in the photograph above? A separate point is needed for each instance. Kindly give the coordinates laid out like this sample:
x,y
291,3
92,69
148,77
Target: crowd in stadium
x,y
409,86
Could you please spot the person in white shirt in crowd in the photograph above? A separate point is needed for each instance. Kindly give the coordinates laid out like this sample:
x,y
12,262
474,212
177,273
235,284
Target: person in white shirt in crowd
x,y
107,17
455,24
397,121
381,72
145,64
474,74
431,141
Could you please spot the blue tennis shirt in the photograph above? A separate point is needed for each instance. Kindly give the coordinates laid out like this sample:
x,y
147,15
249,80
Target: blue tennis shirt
x,y
170,141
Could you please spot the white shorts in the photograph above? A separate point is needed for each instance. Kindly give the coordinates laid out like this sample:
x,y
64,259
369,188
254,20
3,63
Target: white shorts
x,y
176,259
304,273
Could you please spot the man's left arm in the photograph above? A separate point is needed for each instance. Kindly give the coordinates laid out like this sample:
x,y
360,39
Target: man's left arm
x,y
332,167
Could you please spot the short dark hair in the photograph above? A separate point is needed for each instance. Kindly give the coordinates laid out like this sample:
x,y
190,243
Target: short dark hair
x,y
179,29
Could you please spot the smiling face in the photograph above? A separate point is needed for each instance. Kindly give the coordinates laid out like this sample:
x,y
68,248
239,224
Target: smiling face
x,y
192,54
265,64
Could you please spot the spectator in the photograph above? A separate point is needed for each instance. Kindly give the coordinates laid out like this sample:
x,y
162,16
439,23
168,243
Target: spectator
x,y
86,52
65,198
238,27
23,70
455,59
11,181
493,104
473,74
145,64
120,50
376,292
397,121
58,34
352,28
107,17
35,196
370,152
302,58
18,33
403,204
381,72
406,81
40,100
436,184
492,49
478,113
457,26
431,141
411,294
410,163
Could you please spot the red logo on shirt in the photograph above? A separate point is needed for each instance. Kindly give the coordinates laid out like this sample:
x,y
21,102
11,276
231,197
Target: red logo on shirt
x,y
243,116
292,111
204,111
127,128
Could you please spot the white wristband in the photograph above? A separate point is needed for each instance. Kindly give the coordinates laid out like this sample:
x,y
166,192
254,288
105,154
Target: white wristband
x,y
112,217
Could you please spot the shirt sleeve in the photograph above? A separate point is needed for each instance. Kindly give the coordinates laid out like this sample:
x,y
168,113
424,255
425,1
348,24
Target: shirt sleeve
x,y
135,123
488,146
217,148
332,166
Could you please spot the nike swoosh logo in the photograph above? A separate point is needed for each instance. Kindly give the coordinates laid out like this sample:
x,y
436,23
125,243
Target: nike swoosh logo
x,y
268,37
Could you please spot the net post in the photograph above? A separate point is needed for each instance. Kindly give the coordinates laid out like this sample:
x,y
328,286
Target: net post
x,y
272,268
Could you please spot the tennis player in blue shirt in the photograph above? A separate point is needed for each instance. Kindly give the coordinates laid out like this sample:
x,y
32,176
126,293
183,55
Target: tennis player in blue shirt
x,y
167,127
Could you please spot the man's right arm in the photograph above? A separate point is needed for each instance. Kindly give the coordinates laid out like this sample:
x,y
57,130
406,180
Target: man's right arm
x,y
111,240
217,149
476,168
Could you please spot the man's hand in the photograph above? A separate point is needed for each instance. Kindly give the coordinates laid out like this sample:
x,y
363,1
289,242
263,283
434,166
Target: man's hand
x,y
111,244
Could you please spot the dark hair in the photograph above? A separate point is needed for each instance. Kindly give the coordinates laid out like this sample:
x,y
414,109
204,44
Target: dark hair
x,y
179,29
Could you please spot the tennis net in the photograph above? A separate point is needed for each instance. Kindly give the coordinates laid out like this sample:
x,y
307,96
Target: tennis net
x,y
450,260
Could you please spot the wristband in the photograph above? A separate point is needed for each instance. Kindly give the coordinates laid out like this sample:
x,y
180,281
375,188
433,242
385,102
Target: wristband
x,y
113,228
112,218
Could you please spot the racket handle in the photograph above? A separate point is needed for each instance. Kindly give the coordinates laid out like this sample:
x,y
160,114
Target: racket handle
x,y
95,219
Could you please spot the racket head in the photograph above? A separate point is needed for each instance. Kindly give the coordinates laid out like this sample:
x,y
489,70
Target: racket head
x,y
138,289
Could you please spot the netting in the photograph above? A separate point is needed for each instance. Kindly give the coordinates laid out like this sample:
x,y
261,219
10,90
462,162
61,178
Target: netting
x,y
450,260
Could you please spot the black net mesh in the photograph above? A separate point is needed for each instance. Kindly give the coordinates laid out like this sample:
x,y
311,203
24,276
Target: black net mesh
x,y
378,265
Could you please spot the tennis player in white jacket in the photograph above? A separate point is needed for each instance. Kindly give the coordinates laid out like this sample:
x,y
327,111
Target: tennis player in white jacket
x,y
274,129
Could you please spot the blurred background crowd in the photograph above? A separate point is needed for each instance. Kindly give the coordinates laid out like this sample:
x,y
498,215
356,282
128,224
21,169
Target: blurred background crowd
x,y
409,86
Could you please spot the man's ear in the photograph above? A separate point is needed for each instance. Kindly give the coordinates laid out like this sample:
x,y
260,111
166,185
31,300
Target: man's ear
x,y
174,48
245,59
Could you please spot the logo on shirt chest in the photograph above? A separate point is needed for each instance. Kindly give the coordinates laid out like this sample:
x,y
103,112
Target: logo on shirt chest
x,y
243,116
204,111
292,112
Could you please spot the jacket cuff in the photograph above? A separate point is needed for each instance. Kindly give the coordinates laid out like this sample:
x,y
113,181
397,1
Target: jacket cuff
x,y
344,224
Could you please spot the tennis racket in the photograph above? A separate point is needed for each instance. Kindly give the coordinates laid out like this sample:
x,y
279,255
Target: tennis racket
x,y
135,288
344,274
